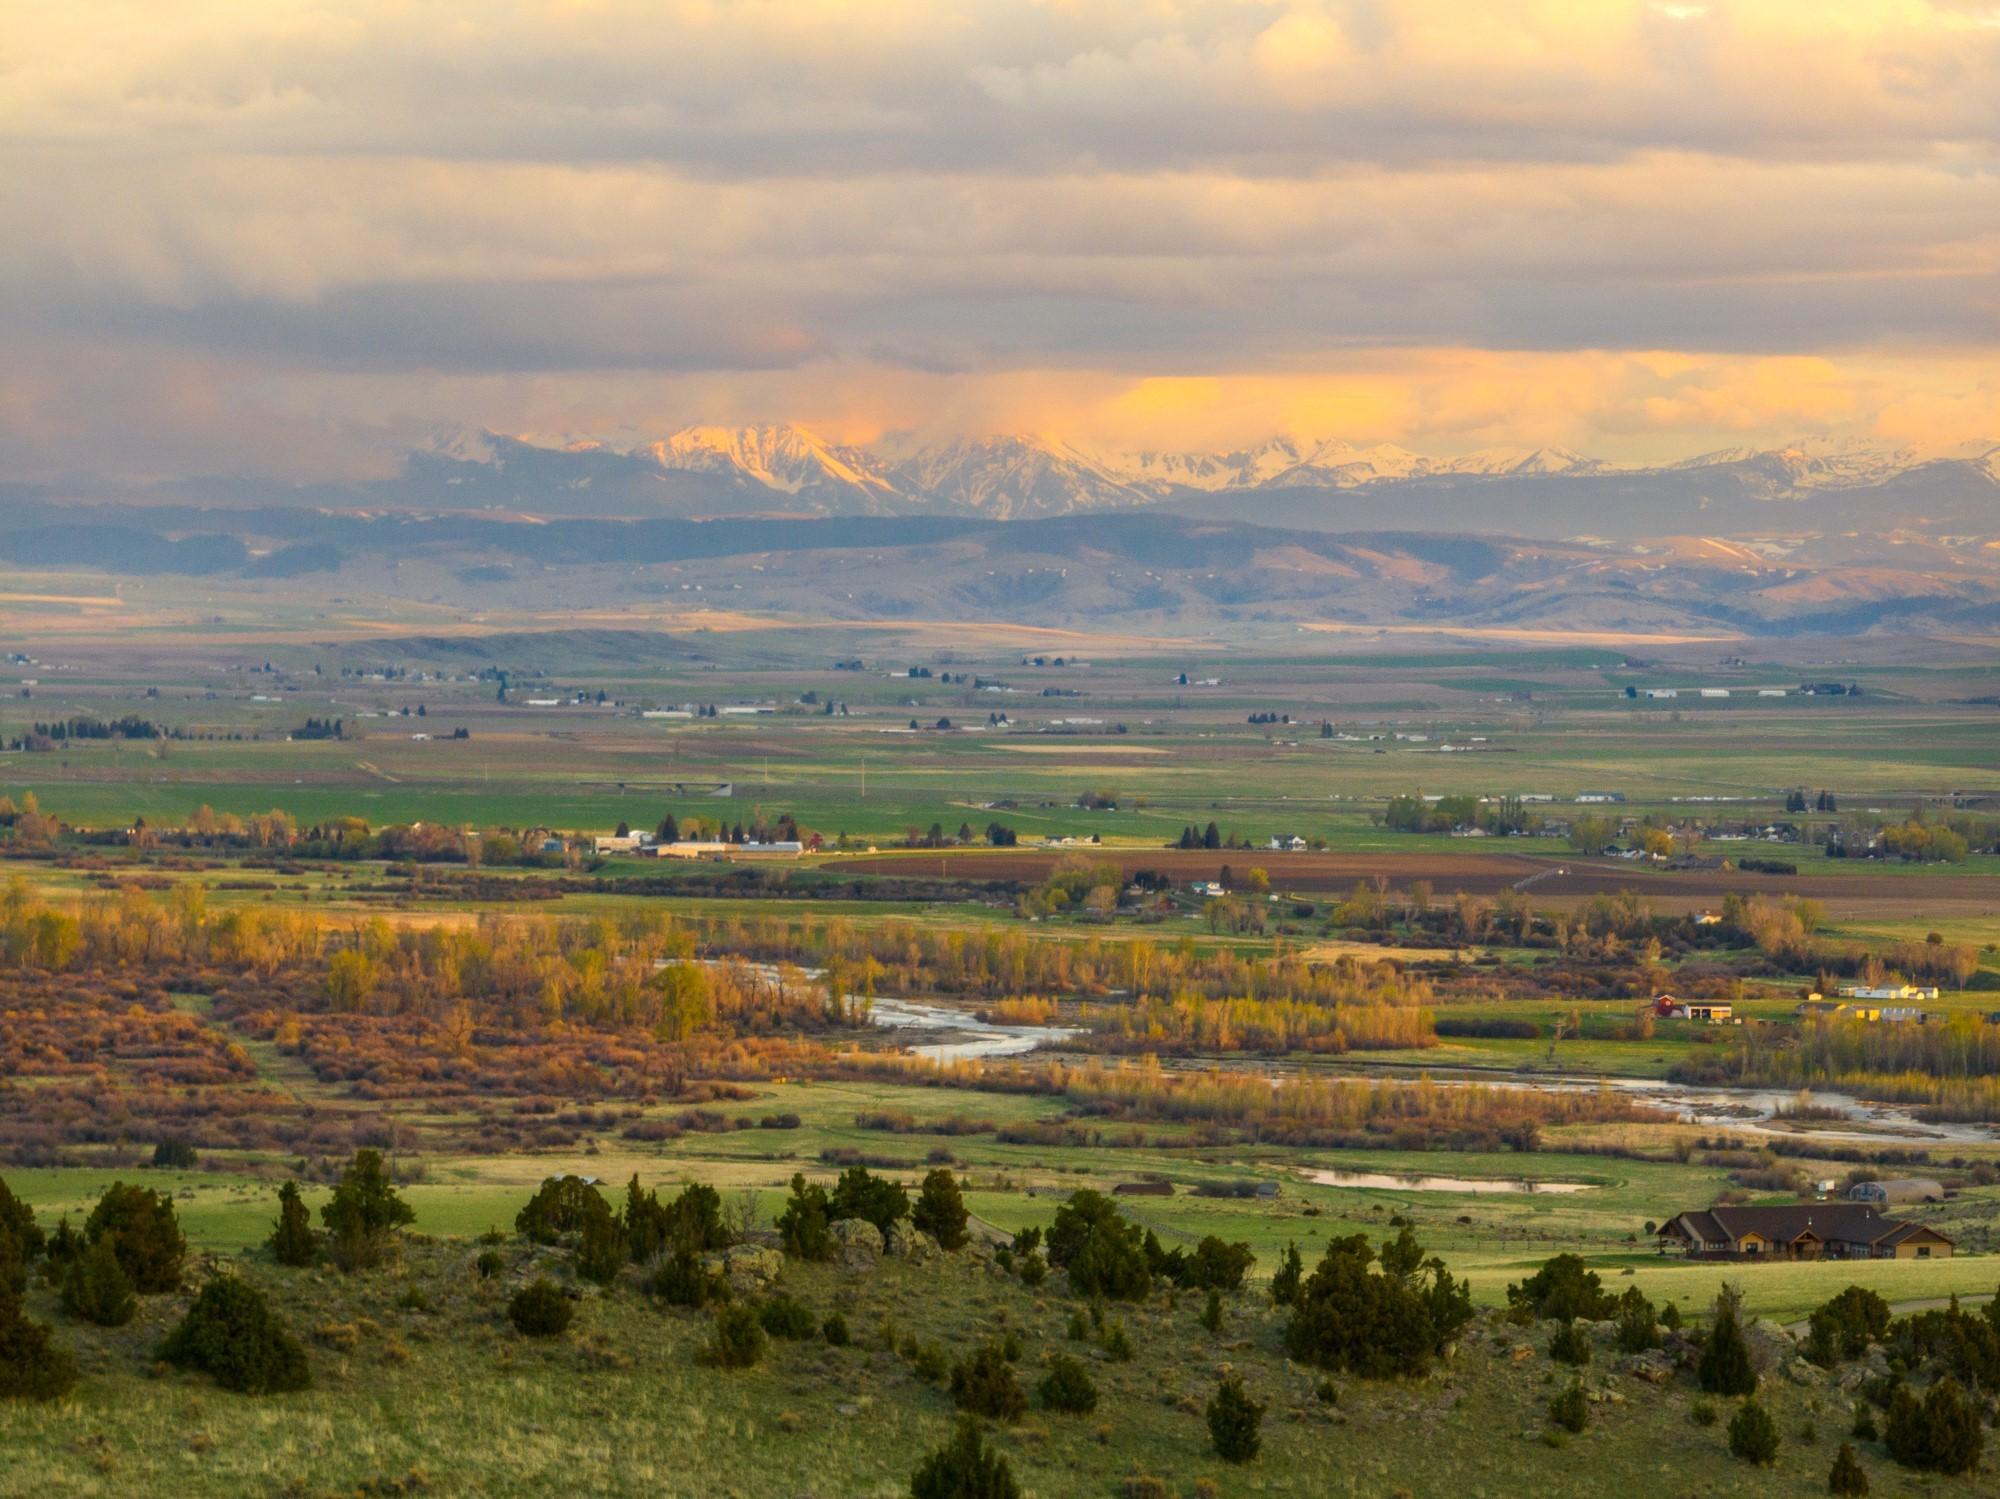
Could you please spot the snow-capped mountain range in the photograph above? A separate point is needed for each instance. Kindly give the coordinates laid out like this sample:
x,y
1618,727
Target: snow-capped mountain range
x,y
1015,476
787,469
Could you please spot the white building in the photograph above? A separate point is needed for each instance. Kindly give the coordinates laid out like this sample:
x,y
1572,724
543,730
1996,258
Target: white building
x,y
1888,991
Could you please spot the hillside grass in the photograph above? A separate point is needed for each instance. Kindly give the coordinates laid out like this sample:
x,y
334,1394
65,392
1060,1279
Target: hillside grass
x,y
447,1399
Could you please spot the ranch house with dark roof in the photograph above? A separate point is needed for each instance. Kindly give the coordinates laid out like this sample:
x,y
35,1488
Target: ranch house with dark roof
x,y
1804,1231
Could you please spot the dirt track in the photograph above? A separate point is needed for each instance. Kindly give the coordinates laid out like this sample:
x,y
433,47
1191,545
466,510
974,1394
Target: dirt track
x,y
1882,894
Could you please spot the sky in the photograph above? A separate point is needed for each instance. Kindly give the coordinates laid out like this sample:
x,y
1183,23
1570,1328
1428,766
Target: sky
x,y
296,238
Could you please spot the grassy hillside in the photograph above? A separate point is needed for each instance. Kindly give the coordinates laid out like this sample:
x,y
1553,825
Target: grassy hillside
x,y
422,1387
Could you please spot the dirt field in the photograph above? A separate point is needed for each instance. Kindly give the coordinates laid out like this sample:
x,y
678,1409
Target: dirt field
x,y
1883,894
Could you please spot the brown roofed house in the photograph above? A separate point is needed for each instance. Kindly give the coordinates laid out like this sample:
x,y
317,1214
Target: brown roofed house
x,y
1802,1231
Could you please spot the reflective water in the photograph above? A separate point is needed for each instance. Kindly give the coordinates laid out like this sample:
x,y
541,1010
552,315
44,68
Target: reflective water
x,y
956,1036
1479,1186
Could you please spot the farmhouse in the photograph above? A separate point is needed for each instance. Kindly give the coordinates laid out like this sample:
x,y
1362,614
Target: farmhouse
x,y
1817,1008
1805,1231
1715,1012
1887,991
1902,1189
1290,843
708,848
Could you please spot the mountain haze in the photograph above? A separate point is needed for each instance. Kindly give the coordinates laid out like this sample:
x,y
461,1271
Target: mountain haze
x,y
1333,485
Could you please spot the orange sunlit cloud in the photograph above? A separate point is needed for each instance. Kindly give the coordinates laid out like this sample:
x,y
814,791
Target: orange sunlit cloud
x,y
1632,227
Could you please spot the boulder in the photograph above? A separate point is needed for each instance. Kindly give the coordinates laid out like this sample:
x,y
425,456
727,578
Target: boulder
x,y
1803,1372
1770,1343
907,1243
860,1242
747,1267
1654,1366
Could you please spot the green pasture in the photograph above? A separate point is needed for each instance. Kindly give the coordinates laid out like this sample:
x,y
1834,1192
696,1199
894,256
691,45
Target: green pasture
x,y
1491,1237
1551,722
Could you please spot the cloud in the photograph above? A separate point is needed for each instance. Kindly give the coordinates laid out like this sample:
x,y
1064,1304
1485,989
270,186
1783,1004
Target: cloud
x,y
1388,215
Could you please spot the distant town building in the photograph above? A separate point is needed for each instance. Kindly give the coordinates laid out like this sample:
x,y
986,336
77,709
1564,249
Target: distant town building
x,y
708,848
1895,991
1818,1008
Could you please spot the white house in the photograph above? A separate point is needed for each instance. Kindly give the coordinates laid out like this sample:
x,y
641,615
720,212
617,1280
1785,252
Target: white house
x,y
1897,991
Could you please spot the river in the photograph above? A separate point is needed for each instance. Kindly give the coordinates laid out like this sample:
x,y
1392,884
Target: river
x,y
954,1035
959,1036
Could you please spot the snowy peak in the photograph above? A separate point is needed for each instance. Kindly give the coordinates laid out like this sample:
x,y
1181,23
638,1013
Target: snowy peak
x,y
788,468
1279,462
1814,464
1245,468
1522,462
784,458
1341,465
1015,477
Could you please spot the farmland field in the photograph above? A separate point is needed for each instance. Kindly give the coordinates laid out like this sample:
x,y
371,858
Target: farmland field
x,y
423,952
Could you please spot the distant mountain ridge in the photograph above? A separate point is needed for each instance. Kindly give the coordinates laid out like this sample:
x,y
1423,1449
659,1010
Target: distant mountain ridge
x,y
1146,569
788,469
715,472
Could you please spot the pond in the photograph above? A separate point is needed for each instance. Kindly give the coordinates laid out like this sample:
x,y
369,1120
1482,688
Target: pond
x,y
1478,1186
